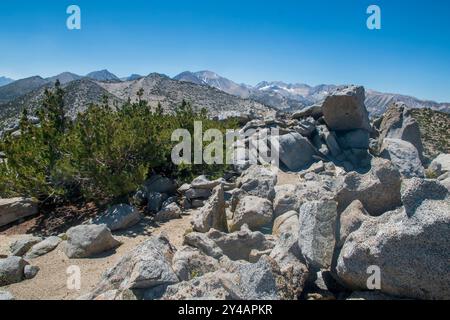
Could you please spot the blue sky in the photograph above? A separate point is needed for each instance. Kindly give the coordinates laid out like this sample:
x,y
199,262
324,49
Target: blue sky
x,y
248,41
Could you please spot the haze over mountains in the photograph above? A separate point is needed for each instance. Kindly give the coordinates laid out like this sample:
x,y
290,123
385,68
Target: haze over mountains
x,y
222,97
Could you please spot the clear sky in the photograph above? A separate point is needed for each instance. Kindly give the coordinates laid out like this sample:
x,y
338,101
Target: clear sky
x,y
313,42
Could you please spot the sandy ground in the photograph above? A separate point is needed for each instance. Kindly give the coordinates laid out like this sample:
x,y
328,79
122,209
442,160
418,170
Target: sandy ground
x,y
287,178
50,282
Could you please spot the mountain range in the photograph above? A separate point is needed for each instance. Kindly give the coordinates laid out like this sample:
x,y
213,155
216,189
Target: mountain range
x,y
291,97
222,97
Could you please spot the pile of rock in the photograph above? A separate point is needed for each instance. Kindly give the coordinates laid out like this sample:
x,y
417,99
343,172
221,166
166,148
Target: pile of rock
x,y
195,194
336,131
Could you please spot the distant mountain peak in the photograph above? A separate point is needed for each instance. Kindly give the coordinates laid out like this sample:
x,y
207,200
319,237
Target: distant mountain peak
x,y
5,80
65,77
102,75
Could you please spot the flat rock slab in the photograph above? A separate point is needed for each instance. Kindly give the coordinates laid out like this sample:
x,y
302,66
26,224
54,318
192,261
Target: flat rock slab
x,y
14,209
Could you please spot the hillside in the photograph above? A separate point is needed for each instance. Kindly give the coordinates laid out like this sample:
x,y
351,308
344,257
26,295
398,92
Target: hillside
x,y
79,94
170,93
435,128
20,87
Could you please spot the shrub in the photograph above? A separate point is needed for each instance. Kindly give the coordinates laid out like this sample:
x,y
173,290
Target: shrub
x,y
103,154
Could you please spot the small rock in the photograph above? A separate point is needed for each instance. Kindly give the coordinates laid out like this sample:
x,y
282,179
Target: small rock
x,y
43,247
30,272
21,246
172,211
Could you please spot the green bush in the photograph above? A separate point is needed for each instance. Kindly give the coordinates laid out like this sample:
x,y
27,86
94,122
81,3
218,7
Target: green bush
x,y
101,155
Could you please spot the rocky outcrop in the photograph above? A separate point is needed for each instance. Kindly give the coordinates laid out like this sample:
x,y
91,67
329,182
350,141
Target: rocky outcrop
x,y
404,156
411,247
290,197
148,266
189,263
416,191
398,123
84,241
378,190
236,245
212,215
345,110
260,281
15,209
317,232
118,217
253,211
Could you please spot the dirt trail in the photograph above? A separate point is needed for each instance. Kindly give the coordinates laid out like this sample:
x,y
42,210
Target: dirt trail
x,y
50,282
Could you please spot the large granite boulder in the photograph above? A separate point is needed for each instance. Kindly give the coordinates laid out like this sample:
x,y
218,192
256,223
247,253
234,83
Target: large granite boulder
x,y
290,197
378,190
12,270
148,266
246,281
398,123
411,248
258,181
317,232
345,110
295,151
253,211
119,217
404,156
84,241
